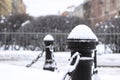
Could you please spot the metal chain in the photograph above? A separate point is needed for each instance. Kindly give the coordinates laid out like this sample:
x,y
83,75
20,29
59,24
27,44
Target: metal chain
x,y
35,60
71,68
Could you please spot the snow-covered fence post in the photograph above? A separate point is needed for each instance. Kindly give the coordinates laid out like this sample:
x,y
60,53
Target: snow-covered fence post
x,y
82,40
49,57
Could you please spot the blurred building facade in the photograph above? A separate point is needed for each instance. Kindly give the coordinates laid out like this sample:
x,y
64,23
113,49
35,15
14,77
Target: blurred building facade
x,y
102,10
8,7
97,10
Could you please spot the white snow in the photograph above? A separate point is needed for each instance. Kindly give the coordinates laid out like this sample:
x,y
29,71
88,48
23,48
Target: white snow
x,y
101,49
48,38
82,32
26,22
72,67
10,72
2,21
12,66
109,60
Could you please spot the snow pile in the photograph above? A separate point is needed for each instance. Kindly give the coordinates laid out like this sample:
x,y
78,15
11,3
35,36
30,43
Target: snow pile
x,y
108,73
82,32
9,72
23,73
48,38
101,49
112,60
18,72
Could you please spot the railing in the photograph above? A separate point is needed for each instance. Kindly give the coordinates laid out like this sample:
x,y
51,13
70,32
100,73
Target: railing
x,y
34,41
111,40
30,41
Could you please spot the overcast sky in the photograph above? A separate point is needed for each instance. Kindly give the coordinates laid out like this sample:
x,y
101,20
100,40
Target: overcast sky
x,y
48,7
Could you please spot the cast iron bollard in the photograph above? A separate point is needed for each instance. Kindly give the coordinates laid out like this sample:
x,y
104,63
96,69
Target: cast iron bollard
x,y
49,57
82,40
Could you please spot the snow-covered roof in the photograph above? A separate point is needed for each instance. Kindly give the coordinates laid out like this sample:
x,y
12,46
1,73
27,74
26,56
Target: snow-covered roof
x,y
48,38
82,32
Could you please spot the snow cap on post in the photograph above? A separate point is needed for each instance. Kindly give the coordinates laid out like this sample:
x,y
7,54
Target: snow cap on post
x,y
82,32
48,38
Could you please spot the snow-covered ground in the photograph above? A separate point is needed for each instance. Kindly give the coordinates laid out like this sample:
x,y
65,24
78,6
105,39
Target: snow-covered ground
x,y
12,66
13,63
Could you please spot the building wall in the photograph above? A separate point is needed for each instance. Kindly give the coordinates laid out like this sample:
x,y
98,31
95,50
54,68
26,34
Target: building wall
x,y
8,7
98,10
18,6
5,7
79,11
102,10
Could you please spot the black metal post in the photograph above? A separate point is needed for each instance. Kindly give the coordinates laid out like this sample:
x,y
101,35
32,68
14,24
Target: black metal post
x,y
49,61
95,62
85,47
83,70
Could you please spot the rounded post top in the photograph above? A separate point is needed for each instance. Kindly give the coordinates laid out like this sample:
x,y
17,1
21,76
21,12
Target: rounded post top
x,y
48,38
82,32
82,38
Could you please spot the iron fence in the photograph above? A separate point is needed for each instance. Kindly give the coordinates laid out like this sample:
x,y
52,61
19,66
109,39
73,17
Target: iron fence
x,y
30,41
110,40
34,41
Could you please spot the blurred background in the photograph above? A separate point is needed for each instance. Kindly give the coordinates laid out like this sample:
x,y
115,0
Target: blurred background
x,y
24,23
